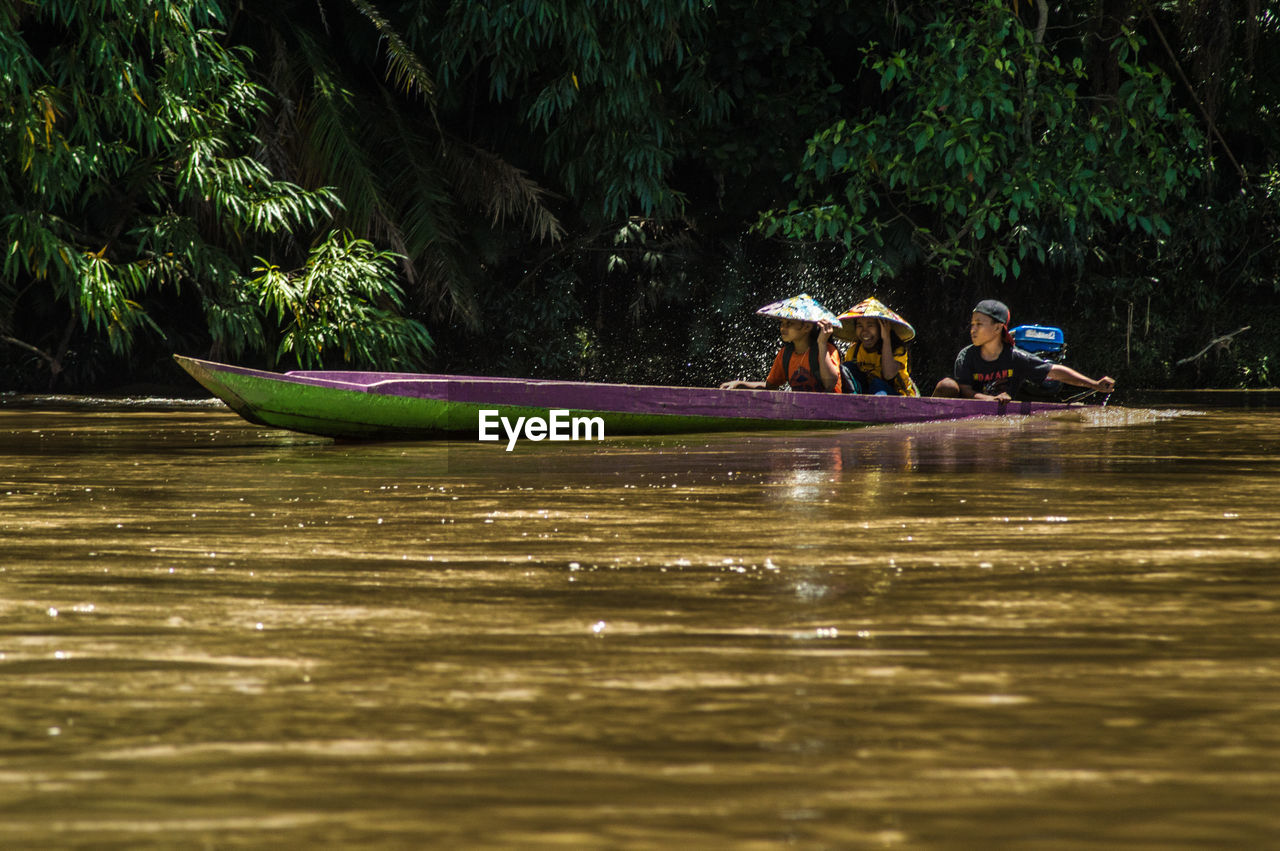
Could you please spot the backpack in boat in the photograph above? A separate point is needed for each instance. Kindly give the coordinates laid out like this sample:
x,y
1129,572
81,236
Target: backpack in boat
x,y
849,382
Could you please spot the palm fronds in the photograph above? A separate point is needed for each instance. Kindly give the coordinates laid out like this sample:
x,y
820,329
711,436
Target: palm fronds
x,y
403,65
499,188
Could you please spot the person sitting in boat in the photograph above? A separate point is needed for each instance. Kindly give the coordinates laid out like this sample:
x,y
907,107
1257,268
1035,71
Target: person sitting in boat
x,y
808,360
992,368
878,356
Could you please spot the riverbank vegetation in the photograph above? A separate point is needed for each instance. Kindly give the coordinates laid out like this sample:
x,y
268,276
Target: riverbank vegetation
x,y
608,190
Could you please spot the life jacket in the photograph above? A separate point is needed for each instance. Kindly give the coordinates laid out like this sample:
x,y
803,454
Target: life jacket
x,y
849,382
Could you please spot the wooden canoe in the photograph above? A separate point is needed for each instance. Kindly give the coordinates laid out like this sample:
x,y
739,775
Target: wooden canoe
x,y
389,405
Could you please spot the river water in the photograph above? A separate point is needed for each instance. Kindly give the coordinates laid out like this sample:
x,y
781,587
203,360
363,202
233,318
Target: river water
x,y
1036,634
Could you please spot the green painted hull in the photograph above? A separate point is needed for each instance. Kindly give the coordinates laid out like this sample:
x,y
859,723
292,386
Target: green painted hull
x,y
266,400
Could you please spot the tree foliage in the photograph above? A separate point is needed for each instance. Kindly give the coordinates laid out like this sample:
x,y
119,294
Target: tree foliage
x,y
989,151
354,104
569,187
131,173
345,299
611,91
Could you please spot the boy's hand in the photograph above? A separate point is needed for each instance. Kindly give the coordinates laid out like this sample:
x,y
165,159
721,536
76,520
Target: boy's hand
x,y
825,330
1105,384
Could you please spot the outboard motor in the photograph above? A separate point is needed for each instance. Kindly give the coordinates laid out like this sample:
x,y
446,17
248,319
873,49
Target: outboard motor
x,y
1048,343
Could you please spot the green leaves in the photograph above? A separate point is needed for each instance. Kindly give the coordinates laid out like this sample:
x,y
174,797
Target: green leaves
x,y
133,172
986,154
611,88
344,302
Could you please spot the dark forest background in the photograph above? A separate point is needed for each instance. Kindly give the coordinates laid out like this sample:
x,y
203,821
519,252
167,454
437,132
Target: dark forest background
x,y
586,188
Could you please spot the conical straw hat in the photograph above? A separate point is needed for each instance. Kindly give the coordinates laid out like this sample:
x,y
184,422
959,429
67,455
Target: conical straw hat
x,y
803,307
874,309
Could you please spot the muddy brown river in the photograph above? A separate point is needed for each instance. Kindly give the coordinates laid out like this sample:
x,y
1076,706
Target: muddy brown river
x,y
1035,634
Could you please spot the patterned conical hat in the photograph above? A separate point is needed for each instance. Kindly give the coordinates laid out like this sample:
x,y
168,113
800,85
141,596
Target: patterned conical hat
x,y
874,309
803,307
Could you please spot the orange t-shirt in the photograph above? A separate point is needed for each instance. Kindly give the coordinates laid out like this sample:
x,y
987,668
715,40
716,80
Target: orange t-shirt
x,y
796,373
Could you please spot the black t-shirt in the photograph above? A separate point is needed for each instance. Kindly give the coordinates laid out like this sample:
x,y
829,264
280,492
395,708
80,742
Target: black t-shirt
x,y
1005,374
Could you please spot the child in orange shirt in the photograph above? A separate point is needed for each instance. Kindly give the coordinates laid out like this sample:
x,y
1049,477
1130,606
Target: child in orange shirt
x,y
808,360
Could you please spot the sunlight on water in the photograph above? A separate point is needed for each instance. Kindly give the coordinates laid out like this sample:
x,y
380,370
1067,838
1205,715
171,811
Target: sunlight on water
x,y
1057,632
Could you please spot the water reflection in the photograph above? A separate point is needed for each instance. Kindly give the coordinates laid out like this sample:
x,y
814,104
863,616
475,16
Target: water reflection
x,y
987,634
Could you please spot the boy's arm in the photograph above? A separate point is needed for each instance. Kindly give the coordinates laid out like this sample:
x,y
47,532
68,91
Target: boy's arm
x,y
1062,372
776,371
829,362
829,368
967,392
888,365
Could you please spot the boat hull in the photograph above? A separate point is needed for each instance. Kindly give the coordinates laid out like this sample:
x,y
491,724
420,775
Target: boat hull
x,y
382,406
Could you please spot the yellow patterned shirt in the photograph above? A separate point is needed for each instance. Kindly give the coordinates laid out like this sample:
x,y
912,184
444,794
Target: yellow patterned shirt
x,y
867,366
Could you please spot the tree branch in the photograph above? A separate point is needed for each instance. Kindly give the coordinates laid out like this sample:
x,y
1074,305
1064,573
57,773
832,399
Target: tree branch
x,y
20,344
1043,7
1204,113
1222,342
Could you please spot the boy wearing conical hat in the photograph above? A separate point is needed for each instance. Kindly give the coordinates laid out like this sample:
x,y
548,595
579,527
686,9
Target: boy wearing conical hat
x,y
808,360
993,369
878,355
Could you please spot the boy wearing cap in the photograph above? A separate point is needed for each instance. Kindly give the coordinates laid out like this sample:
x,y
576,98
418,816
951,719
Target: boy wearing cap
x,y
993,369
